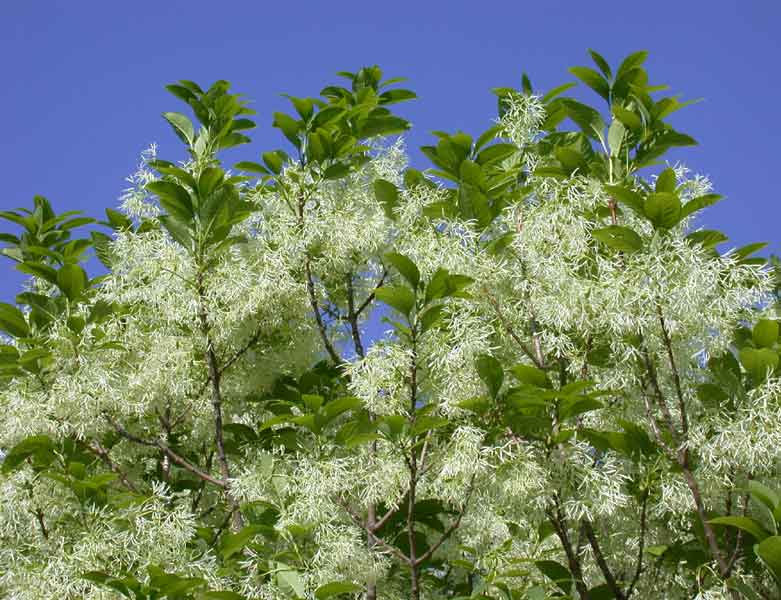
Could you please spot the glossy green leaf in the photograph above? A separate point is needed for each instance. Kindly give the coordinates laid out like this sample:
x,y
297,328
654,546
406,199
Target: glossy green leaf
x,y
531,376
329,590
699,203
747,524
666,182
387,194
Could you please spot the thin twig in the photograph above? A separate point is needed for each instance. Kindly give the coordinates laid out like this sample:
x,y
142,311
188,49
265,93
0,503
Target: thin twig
x,y
601,562
511,331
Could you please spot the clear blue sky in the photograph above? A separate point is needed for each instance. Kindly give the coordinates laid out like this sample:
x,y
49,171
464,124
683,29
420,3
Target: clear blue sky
x,y
83,81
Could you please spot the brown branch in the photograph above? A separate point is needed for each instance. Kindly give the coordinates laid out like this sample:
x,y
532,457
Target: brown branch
x,y
453,526
377,540
41,523
560,527
103,454
214,378
310,288
540,364
179,460
352,318
601,562
676,377
643,531
370,297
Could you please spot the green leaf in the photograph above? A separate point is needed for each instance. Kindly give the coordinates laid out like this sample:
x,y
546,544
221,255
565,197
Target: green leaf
x,y
557,573
289,127
404,266
182,126
769,551
40,270
490,371
275,160
601,63
12,321
699,203
747,524
234,542
173,198
393,96
398,297
251,167
531,376
387,195
663,209
758,362
765,333
223,595
709,238
336,171
764,494
40,447
495,153
630,119
557,91
615,137
593,80
618,238
291,581
431,317
335,588
630,62
72,280
666,182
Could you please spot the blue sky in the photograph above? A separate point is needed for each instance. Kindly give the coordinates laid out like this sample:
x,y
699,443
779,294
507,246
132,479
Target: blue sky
x,y
83,81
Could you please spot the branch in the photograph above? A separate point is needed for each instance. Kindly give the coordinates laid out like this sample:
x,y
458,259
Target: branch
x,y
377,540
310,288
450,530
643,529
370,298
676,377
352,318
179,460
560,527
98,450
601,562
511,331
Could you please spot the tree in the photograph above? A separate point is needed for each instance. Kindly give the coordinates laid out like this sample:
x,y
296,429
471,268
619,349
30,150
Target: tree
x,y
578,395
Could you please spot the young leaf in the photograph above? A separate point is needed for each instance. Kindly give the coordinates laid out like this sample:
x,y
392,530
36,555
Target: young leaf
x,y
666,181
531,376
699,203
329,590
593,80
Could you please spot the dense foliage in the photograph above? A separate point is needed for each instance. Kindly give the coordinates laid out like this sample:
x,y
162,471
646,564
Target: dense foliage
x,y
578,395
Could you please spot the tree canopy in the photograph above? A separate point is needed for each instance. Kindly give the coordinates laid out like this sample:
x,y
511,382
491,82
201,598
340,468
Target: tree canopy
x,y
578,394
